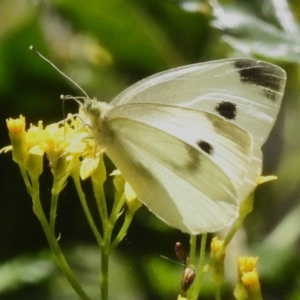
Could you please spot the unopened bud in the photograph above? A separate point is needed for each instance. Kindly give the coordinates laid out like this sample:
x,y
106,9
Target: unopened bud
x,y
188,278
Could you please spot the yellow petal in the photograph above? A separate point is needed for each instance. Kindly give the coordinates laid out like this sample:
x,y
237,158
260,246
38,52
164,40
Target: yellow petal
x,y
115,173
88,166
37,150
129,193
263,179
6,149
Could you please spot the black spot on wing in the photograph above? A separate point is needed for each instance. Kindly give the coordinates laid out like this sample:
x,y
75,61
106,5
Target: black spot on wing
x,y
227,110
194,162
261,74
205,146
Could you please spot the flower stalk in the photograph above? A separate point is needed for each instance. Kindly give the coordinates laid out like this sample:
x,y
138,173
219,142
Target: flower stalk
x,y
70,153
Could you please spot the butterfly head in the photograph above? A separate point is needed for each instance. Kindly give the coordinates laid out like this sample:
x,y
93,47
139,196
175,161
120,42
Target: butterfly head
x,y
92,113
93,108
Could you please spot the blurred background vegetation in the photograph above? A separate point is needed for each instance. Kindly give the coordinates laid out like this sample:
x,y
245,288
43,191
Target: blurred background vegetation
x,y
106,46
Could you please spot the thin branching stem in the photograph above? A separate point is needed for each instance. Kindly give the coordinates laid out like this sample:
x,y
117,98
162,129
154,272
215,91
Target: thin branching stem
x,y
62,263
86,209
201,270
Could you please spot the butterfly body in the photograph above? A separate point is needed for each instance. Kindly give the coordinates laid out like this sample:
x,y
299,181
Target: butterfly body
x,y
189,140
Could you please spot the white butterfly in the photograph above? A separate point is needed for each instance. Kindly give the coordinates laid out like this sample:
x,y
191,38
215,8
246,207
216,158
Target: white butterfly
x,y
189,140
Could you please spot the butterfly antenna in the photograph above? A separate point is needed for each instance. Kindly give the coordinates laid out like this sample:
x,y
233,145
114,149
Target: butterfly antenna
x,y
172,260
58,70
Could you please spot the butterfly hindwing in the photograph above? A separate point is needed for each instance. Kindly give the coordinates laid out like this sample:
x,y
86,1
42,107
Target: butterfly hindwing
x,y
165,158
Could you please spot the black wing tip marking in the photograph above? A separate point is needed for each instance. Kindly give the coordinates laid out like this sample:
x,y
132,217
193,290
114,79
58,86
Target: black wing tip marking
x,y
263,74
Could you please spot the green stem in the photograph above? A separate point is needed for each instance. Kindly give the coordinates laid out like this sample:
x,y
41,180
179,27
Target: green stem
x,y
253,292
116,210
245,208
106,246
54,200
199,278
104,272
122,233
218,292
86,209
101,202
62,263
193,246
105,251
98,179
26,179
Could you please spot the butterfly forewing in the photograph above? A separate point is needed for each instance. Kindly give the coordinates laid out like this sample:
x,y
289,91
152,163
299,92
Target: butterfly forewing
x,y
244,91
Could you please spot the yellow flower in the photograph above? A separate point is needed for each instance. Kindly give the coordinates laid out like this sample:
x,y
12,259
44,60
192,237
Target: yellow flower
x,y
250,278
62,143
90,160
132,201
119,182
91,157
123,186
246,264
216,245
217,254
248,286
263,179
88,166
17,135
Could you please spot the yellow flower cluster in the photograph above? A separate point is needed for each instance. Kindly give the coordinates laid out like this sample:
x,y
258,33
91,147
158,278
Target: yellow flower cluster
x,y
63,143
246,264
247,270
67,146
248,286
217,254
216,245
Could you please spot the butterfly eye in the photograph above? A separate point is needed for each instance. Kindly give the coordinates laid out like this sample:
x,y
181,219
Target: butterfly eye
x,y
206,147
227,110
